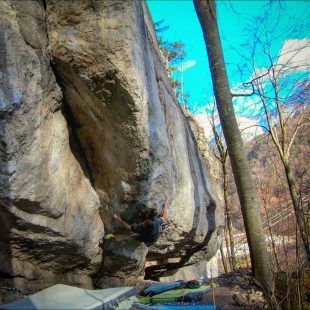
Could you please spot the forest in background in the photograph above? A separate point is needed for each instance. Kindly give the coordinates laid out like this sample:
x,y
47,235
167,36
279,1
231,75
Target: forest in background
x,y
278,157
268,173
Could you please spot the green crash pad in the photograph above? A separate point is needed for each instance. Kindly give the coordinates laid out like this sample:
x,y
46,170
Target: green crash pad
x,y
173,295
68,297
179,306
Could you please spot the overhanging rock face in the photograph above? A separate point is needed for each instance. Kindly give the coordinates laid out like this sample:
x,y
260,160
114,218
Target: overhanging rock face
x,y
89,127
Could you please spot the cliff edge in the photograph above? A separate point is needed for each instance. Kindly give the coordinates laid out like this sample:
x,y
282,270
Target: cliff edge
x,y
89,126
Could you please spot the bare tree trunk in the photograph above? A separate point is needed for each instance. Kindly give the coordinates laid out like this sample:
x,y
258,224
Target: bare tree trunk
x,y
206,12
302,223
222,158
229,218
227,246
224,259
273,244
283,146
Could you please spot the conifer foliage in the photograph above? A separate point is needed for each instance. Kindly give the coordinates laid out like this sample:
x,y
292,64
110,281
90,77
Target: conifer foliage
x,y
174,55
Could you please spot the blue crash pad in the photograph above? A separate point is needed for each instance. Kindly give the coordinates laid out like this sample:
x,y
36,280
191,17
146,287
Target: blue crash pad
x,y
179,306
157,288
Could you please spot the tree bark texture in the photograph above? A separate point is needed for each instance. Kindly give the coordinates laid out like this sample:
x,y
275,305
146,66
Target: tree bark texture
x,y
224,259
206,12
229,217
302,222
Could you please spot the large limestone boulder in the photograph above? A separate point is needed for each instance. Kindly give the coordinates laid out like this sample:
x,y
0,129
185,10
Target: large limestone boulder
x,y
89,126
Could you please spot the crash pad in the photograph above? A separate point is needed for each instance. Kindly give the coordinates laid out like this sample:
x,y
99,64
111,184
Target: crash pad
x,y
179,295
126,304
68,297
200,306
157,288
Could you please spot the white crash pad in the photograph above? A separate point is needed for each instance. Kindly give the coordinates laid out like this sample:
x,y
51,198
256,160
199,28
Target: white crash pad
x,y
68,297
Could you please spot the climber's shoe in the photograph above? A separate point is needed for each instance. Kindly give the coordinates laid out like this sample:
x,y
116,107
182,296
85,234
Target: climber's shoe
x,y
108,236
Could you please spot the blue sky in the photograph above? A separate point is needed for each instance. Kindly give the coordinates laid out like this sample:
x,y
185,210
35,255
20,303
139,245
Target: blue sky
x,y
233,18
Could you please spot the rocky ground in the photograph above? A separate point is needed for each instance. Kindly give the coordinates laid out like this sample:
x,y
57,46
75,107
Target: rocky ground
x,y
233,291
236,290
8,294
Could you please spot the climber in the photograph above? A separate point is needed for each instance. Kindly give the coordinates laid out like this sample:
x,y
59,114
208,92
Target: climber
x,y
149,230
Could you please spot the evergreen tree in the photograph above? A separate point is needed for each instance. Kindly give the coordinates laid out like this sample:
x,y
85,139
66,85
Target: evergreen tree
x,y
174,55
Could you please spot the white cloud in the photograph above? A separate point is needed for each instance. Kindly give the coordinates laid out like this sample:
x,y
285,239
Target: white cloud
x,y
203,121
249,126
187,65
237,88
294,56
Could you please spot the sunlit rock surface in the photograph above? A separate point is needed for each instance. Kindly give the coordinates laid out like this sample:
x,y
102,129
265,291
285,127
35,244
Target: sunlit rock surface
x,y
89,126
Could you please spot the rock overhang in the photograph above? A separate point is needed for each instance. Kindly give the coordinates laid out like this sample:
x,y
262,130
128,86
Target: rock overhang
x,y
101,133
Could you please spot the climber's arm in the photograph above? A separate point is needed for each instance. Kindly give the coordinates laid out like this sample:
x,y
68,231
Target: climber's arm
x,y
123,223
164,214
